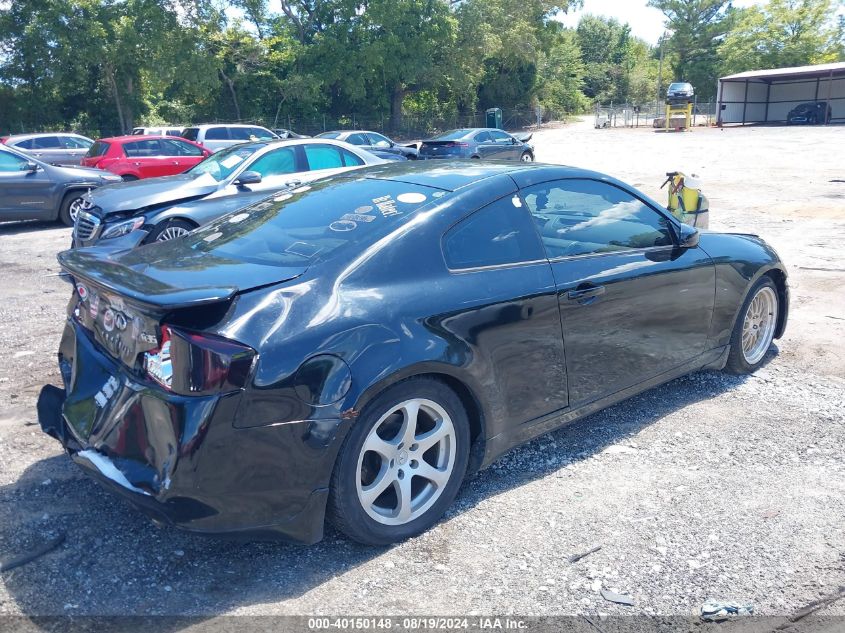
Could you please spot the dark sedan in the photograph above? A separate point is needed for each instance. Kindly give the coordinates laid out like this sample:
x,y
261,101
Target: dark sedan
x,y
477,143
354,350
372,141
31,189
810,113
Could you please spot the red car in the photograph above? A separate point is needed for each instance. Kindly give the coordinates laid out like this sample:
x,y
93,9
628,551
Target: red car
x,y
134,157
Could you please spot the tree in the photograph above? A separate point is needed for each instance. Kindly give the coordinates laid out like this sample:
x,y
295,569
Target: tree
x,y
698,26
783,33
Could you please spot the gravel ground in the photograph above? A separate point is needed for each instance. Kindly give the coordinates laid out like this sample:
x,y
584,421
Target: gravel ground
x,y
710,486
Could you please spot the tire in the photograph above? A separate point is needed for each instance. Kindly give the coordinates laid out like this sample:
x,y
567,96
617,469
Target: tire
x,y
70,207
128,177
382,518
169,230
526,157
746,361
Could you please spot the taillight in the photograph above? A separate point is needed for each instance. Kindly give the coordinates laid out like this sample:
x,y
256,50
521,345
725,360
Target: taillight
x,y
457,144
190,363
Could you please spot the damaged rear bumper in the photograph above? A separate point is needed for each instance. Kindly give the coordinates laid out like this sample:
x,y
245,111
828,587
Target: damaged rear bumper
x,y
180,459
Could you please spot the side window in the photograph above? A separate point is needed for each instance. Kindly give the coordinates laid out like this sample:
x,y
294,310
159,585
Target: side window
x,y
323,157
178,148
143,149
216,134
47,142
350,159
190,133
500,233
276,163
377,140
483,137
357,139
501,137
10,162
261,134
28,143
74,142
582,217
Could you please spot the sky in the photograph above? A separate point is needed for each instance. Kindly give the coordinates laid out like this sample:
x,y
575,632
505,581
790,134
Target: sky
x,y
646,22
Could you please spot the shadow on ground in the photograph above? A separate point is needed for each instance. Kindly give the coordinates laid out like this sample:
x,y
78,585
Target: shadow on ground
x,y
115,562
28,226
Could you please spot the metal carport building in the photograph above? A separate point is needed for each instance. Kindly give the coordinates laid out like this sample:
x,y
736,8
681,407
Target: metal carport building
x,y
767,96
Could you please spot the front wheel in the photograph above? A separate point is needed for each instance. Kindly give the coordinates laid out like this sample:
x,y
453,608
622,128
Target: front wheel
x,y
526,157
402,463
71,205
754,329
170,230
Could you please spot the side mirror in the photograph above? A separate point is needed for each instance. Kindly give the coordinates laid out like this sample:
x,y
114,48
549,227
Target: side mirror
x,y
248,178
688,236
31,168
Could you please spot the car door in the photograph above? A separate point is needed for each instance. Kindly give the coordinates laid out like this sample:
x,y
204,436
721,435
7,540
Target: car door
x,y
278,167
23,194
216,138
508,309
183,155
485,147
506,149
144,158
381,143
633,305
75,148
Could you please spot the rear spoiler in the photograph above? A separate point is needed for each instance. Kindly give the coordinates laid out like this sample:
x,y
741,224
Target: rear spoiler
x,y
97,268
523,136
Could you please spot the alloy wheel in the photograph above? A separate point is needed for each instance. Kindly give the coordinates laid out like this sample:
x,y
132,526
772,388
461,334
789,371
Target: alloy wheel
x,y
171,233
526,158
74,209
406,461
758,326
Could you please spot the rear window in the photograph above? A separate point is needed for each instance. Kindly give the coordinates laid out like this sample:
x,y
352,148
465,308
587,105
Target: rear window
x,y
99,148
191,133
311,223
453,135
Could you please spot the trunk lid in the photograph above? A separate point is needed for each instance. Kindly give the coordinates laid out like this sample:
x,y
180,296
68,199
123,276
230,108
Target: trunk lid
x,y
441,148
123,297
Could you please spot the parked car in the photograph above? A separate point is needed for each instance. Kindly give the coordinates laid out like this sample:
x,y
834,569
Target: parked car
x,y
59,147
158,131
261,167
680,92
372,141
477,143
135,157
285,364
217,136
31,189
283,133
810,113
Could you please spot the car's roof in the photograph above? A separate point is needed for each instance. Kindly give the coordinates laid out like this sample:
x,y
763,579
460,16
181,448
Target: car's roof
x,y
17,137
451,175
202,125
138,137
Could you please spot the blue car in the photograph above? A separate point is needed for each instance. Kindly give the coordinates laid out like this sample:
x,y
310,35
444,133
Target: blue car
x,y
488,143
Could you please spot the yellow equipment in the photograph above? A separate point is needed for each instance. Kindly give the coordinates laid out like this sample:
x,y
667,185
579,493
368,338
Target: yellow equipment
x,y
680,109
686,202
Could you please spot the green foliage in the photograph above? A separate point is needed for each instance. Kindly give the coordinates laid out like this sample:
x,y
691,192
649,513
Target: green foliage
x,y
783,33
102,66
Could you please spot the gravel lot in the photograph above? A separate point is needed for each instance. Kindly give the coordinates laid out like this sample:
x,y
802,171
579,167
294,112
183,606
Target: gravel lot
x,y
711,486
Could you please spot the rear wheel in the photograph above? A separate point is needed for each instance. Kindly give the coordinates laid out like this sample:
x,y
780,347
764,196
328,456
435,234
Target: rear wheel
x,y
754,328
170,230
402,463
71,205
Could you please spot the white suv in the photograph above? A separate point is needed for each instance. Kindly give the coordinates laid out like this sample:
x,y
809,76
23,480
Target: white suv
x,y
217,136
167,130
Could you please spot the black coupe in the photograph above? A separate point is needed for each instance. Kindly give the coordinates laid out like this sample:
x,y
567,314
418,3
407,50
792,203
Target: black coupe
x,y
354,349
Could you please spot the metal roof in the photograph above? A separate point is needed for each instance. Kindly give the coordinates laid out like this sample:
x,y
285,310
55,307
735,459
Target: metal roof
x,y
818,70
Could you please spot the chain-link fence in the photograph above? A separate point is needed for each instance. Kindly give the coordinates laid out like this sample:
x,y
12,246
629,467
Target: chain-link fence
x,y
648,115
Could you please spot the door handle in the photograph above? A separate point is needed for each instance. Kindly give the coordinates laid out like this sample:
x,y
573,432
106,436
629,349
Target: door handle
x,y
293,183
137,164
581,294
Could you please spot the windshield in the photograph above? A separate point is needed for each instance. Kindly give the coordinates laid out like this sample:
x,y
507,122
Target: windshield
x,y
221,165
310,223
452,135
680,86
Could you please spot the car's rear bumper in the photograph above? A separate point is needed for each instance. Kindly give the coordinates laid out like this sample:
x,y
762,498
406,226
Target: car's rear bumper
x,y
180,459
